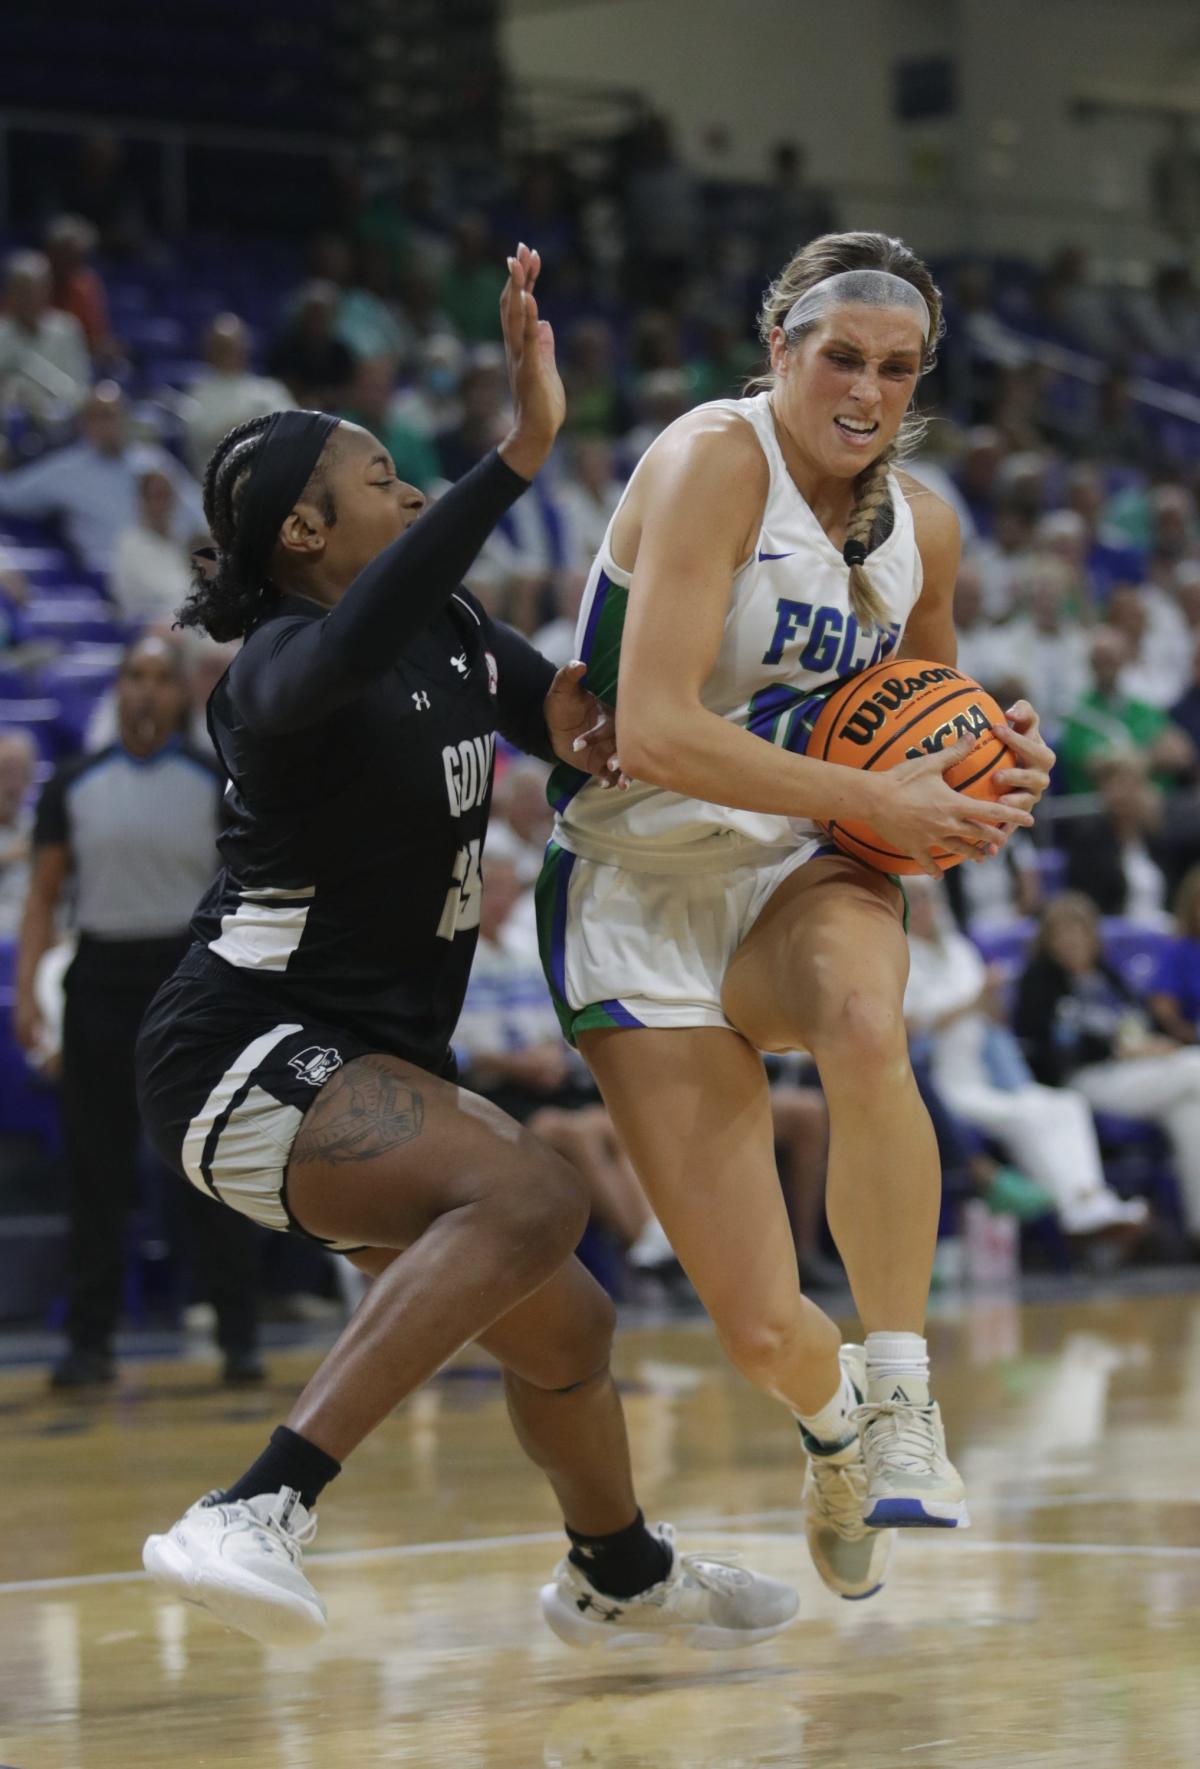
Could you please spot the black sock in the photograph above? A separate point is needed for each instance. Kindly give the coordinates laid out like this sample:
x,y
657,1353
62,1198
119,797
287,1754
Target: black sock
x,y
288,1460
623,1564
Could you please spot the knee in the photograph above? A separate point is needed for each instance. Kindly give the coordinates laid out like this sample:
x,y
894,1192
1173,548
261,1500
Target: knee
x,y
861,1034
762,1345
543,1211
581,1353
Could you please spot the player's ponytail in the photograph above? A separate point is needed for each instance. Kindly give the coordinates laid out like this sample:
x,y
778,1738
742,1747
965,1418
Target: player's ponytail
x,y
871,500
225,598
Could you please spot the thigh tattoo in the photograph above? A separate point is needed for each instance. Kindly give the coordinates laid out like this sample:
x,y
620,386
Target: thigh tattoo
x,y
364,1111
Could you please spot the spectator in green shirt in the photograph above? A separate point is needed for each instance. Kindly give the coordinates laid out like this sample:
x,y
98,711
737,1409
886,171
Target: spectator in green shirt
x,y
469,292
1107,721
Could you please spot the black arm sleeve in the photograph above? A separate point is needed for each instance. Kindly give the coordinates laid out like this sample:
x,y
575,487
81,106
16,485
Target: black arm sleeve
x,y
296,673
524,681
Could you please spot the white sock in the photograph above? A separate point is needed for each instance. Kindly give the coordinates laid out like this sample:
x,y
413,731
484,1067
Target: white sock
x,y
831,1427
897,1367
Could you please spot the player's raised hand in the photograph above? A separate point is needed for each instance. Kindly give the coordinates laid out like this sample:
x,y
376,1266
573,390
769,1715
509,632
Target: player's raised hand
x,y
539,402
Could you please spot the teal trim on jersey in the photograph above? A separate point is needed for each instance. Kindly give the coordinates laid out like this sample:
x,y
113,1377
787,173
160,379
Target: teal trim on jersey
x,y
601,651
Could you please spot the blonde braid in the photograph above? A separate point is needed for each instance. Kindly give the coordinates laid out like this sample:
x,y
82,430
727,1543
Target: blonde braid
x,y
873,497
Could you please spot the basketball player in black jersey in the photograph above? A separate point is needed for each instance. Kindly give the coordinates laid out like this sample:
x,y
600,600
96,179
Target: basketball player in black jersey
x,y
297,1066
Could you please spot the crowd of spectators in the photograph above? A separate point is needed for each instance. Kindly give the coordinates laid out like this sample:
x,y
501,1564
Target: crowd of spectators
x,y
1061,431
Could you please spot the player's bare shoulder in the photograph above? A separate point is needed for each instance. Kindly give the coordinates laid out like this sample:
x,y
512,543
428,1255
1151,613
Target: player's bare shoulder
x,y
935,526
706,469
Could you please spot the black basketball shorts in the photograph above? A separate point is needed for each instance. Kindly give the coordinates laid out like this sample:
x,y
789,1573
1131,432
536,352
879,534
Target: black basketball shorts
x,y
223,1085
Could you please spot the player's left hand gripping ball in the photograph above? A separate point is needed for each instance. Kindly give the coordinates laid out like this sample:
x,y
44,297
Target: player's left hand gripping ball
x,y
582,729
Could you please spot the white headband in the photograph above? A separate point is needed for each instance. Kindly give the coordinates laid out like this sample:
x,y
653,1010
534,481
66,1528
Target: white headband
x,y
859,288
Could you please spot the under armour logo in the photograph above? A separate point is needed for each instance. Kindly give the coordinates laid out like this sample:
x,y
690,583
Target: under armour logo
x,y
420,700
460,663
586,1602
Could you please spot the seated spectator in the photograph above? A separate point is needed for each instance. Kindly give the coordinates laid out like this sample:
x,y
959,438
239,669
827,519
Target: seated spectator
x,y
18,758
366,322
595,404
469,290
91,488
151,575
484,415
76,287
370,403
308,357
1002,556
520,806
953,1002
984,649
1052,648
587,497
1186,711
1175,998
997,892
1121,857
1107,721
1082,1026
431,403
45,370
227,392
1158,668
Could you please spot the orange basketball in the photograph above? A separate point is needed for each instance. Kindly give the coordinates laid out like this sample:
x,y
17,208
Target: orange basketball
x,y
895,713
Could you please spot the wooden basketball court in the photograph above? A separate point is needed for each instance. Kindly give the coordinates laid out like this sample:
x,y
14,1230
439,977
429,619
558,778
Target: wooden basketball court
x,y
1063,1629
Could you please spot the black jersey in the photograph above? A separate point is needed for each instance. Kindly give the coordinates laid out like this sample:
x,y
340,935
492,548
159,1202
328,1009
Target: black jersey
x,y
359,745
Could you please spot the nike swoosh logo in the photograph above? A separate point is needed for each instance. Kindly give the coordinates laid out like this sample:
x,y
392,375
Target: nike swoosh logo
x,y
765,556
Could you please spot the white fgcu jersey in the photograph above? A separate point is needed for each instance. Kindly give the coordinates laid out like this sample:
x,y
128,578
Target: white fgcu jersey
x,y
789,633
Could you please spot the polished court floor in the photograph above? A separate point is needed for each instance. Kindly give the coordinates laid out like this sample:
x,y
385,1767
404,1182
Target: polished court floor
x,y
1063,1629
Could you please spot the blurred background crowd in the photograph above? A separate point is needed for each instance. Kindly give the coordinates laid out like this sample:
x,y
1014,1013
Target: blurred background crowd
x,y
1055,1002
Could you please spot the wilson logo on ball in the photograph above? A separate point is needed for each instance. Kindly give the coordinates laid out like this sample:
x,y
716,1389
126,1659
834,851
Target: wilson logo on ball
x,y
880,718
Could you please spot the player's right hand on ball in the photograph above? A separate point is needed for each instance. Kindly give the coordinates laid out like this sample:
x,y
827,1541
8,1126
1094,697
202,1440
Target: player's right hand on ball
x,y
539,401
916,812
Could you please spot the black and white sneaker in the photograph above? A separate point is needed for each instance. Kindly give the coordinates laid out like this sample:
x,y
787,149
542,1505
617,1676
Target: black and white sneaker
x,y
709,1602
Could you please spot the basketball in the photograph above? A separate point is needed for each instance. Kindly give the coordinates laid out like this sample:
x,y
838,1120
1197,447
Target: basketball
x,y
898,712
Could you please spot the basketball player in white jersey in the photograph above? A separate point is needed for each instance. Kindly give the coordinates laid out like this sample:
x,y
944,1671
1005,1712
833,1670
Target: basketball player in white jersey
x,y
765,550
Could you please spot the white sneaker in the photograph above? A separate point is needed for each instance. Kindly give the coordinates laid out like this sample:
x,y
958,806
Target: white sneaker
x,y
851,1559
911,1482
710,1603
242,1561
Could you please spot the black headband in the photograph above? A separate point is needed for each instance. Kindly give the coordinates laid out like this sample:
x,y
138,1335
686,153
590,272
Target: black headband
x,y
290,448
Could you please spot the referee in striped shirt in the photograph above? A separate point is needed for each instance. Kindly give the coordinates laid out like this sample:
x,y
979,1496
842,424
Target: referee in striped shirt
x,y
130,834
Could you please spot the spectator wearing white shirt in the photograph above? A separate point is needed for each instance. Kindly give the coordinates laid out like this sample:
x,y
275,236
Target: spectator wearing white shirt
x,y
227,392
1159,665
151,575
984,649
1048,649
45,369
92,486
979,1071
587,495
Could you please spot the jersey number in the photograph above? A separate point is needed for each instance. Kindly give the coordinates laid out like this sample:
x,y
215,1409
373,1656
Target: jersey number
x,y
463,898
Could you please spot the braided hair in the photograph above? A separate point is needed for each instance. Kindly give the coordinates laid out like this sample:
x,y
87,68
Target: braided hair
x,y
821,258
225,601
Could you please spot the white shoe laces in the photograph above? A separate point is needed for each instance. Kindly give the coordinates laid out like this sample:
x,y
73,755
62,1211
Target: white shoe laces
x,y
900,1434
841,1490
713,1572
